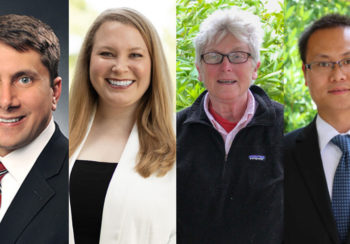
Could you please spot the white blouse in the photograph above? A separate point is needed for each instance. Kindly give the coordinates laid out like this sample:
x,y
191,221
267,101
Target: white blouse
x,y
136,210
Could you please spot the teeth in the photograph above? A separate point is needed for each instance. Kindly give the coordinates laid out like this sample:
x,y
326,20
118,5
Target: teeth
x,y
120,83
9,120
227,81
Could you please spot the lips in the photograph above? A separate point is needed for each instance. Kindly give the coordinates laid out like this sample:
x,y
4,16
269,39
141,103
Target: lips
x,y
339,90
227,81
120,83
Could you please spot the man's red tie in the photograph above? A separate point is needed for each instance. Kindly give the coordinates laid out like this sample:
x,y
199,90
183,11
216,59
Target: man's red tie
x,y
3,172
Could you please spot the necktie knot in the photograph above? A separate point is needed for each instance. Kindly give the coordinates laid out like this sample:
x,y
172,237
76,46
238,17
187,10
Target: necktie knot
x,y
343,142
3,171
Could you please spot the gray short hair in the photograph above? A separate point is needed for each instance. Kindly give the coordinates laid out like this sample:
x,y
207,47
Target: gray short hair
x,y
243,25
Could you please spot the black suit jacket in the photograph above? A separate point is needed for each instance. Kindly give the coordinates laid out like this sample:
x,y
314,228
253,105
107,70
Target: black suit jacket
x,y
39,212
308,212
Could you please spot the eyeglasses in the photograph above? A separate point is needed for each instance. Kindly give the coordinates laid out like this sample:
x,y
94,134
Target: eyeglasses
x,y
238,57
327,67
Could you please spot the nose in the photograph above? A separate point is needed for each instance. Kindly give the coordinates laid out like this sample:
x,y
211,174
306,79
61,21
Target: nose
x,y
226,65
120,65
8,98
338,74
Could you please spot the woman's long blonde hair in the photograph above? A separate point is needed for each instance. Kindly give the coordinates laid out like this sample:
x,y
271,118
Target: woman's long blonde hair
x,y
155,111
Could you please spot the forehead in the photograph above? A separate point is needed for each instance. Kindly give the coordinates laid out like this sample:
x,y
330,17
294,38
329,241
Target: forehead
x,y
329,43
12,61
117,34
227,43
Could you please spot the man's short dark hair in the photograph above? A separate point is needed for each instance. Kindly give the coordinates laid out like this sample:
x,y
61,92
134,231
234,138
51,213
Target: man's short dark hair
x,y
328,21
25,32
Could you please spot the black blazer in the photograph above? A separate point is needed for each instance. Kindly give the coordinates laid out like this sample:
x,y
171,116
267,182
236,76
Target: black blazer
x,y
39,212
308,212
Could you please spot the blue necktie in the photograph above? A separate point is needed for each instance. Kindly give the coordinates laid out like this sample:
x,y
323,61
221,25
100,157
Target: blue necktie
x,y
341,187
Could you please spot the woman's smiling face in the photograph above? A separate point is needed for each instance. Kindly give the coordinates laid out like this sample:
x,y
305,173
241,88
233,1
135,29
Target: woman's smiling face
x,y
120,65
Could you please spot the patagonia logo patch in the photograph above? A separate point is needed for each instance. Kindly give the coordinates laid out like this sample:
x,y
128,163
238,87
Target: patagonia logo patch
x,y
257,157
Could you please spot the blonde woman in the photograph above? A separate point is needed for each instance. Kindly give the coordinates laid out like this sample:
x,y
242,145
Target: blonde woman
x,y
122,142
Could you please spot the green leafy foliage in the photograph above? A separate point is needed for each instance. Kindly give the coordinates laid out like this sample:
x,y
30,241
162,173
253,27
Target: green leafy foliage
x,y
189,16
299,108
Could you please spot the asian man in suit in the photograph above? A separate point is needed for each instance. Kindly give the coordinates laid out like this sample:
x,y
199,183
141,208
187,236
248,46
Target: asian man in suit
x,y
317,174
33,151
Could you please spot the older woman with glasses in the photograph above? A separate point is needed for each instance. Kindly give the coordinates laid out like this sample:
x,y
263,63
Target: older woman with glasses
x,y
230,177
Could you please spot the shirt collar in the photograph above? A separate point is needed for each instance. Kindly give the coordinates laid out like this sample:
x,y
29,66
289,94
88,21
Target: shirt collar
x,y
19,162
248,113
325,132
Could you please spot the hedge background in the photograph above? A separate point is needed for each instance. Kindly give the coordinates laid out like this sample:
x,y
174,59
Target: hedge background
x,y
280,73
299,109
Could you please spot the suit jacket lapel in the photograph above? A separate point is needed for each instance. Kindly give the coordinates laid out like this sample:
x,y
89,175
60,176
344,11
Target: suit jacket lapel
x,y
116,199
31,197
310,165
35,191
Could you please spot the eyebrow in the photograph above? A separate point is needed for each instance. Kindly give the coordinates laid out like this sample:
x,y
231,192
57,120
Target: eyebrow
x,y
236,49
23,73
103,47
346,54
130,49
137,49
326,56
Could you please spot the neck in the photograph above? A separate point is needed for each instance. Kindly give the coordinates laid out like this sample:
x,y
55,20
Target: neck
x,y
232,110
339,120
112,117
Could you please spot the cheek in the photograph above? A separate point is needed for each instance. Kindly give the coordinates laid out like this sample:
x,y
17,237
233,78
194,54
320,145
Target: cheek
x,y
245,74
209,75
143,70
211,71
242,69
38,100
316,86
97,67
315,89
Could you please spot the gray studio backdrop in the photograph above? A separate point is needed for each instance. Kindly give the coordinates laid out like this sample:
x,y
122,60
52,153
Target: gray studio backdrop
x,y
55,14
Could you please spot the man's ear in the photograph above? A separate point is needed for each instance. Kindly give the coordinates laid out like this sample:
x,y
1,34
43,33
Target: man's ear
x,y
304,72
56,88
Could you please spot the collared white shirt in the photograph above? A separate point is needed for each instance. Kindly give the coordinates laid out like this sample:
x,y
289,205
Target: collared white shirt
x,y
330,153
243,122
19,163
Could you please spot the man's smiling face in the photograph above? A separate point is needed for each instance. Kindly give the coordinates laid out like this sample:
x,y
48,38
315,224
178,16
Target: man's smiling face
x,y
26,97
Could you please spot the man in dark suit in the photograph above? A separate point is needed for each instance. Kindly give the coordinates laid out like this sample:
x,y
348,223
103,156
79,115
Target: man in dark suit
x,y
317,174
33,151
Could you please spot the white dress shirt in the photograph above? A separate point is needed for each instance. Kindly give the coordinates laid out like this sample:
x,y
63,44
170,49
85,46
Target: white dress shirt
x,y
330,153
243,122
19,163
